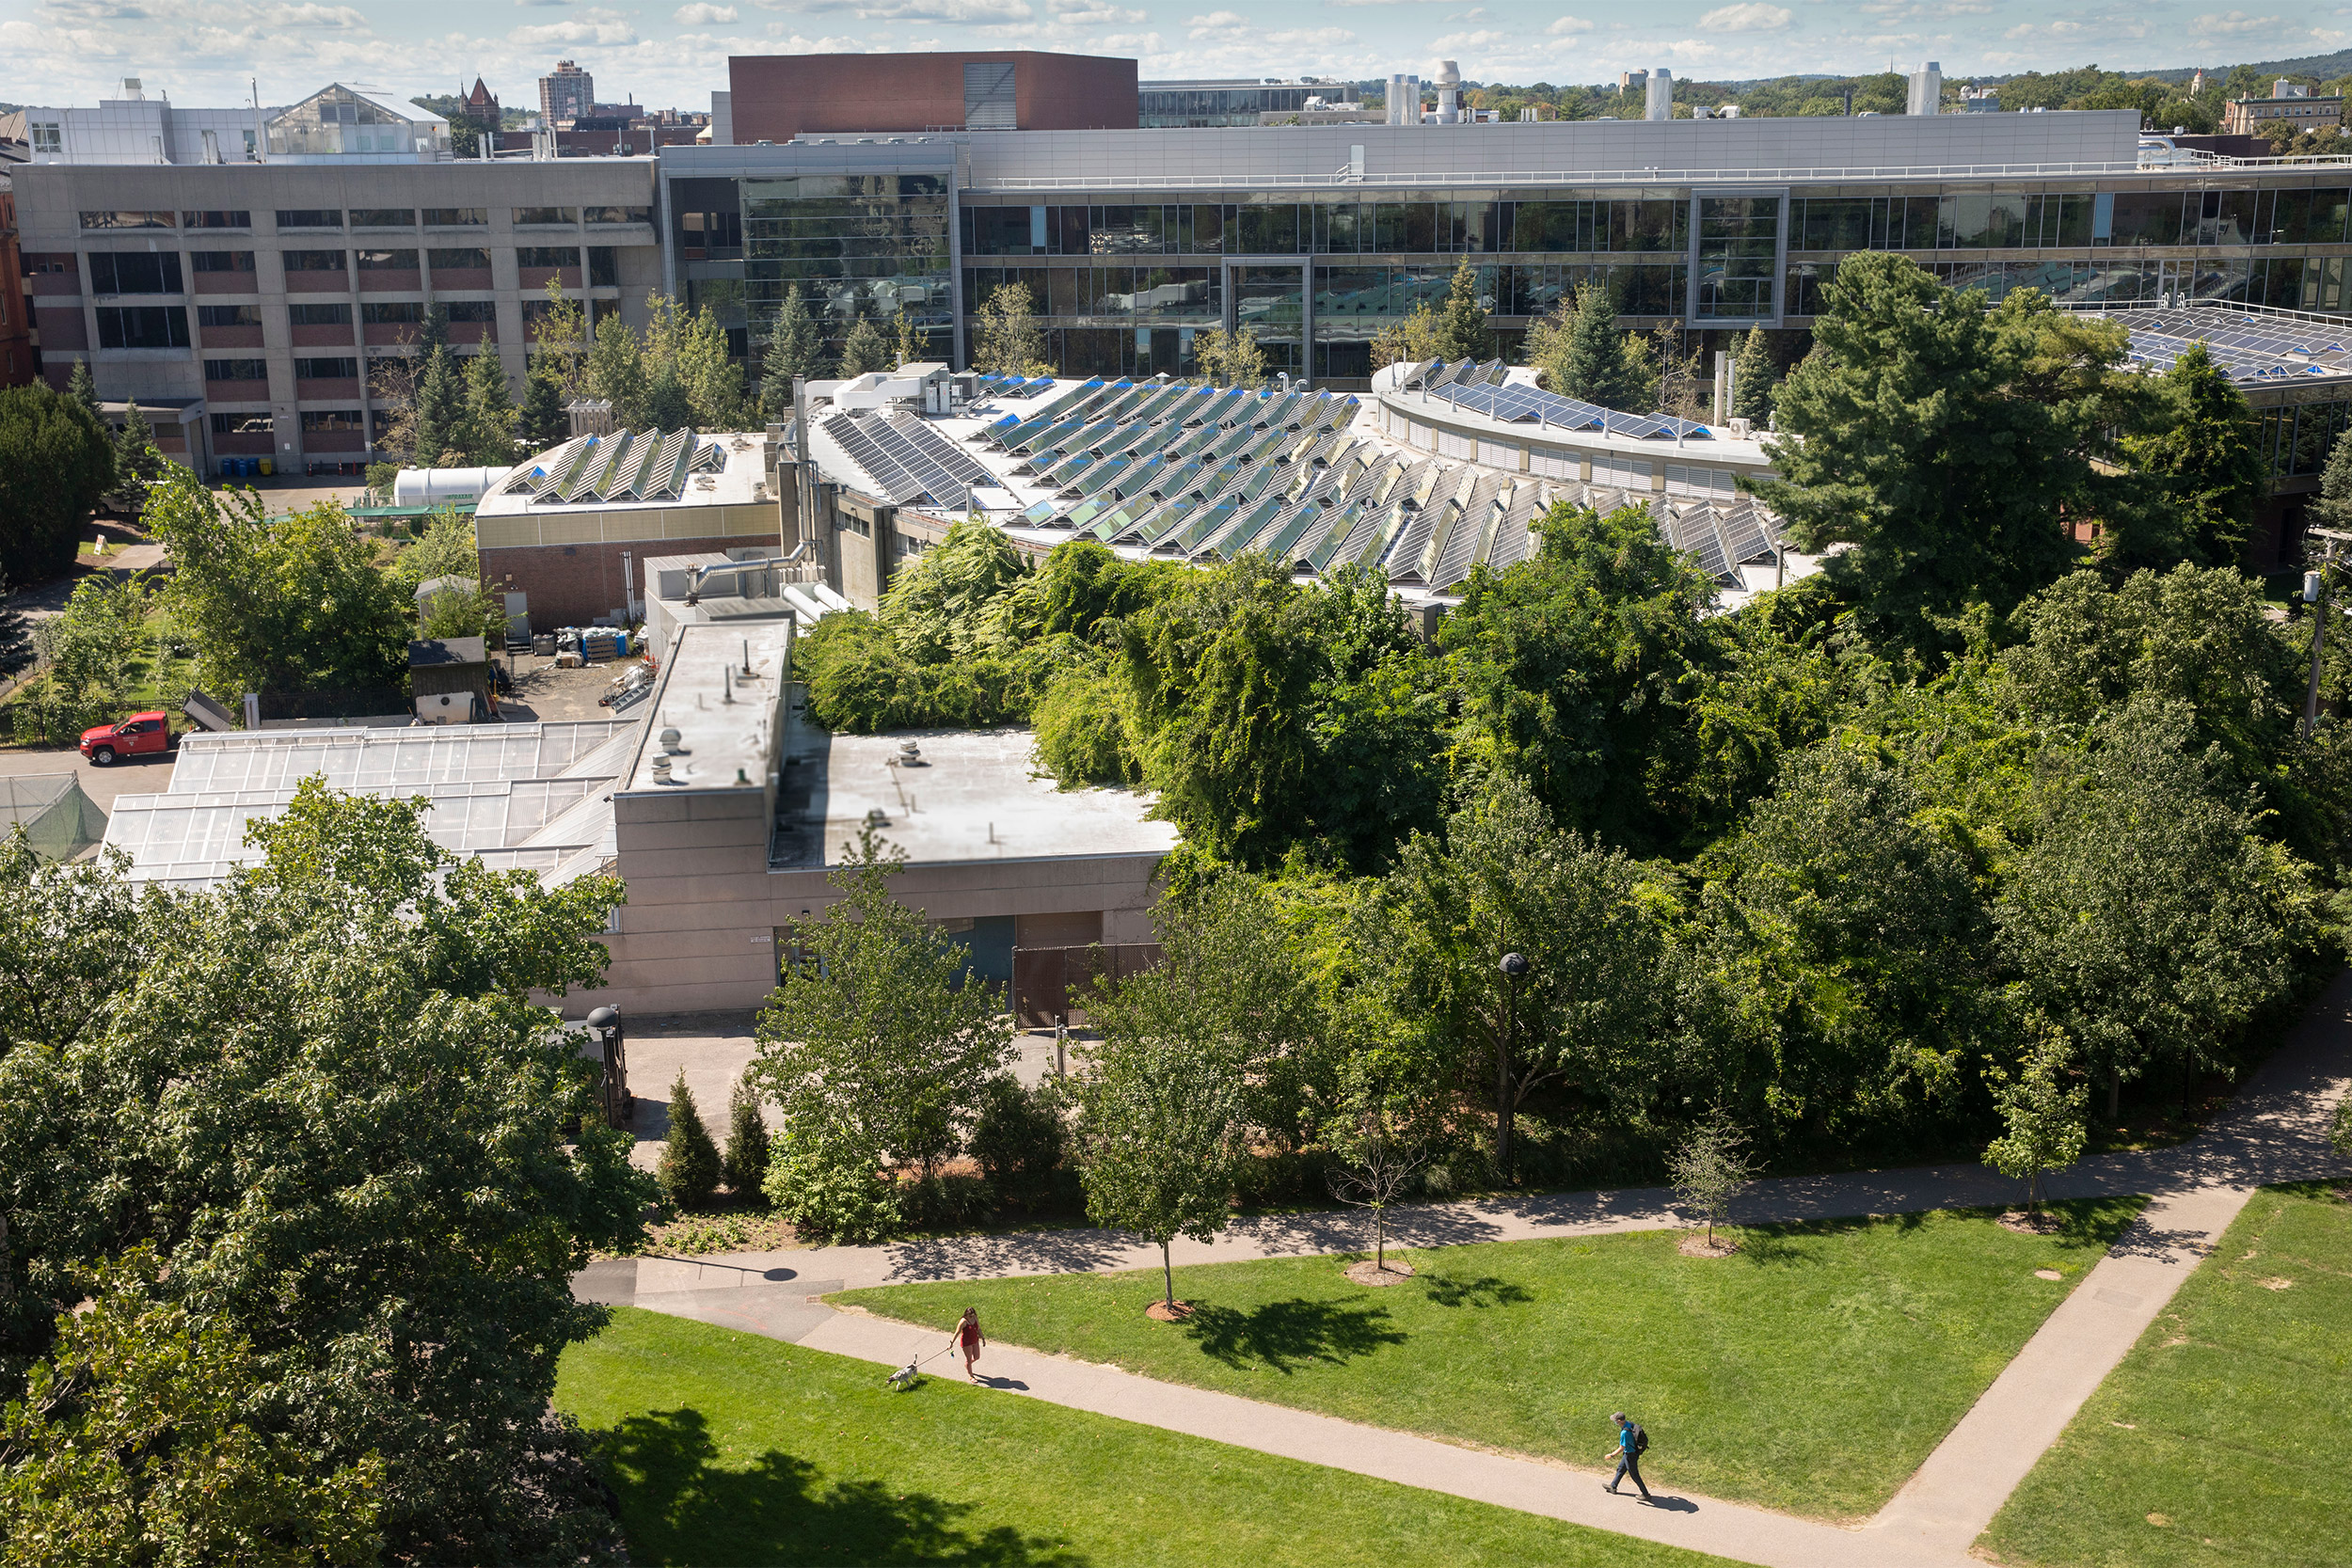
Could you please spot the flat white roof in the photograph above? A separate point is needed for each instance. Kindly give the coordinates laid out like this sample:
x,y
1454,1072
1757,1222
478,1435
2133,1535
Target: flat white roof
x,y
727,724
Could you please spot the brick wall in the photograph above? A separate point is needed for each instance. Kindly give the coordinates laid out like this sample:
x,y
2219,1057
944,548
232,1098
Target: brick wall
x,y
779,96
570,585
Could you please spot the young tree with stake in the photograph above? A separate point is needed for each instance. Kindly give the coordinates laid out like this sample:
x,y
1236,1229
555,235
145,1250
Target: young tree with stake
x,y
2044,1119
1709,1168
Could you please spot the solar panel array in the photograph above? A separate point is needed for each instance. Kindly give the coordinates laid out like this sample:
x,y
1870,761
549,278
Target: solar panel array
x,y
2251,350
1478,389
908,460
642,466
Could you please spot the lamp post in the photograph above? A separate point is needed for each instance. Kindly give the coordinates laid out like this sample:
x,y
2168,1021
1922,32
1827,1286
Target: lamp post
x,y
1514,967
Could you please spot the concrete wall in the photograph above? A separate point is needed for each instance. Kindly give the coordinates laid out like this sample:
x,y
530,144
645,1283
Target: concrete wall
x,y
778,97
698,931
570,585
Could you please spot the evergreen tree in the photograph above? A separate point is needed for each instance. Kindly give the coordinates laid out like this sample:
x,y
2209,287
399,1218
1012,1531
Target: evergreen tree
x,y
863,349
81,388
489,422
544,422
435,332
747,1141
796,350
668,406
1583,356
689,1167
136,461
1462,331
440,411
617,372
1752,380
2333,509
2211,478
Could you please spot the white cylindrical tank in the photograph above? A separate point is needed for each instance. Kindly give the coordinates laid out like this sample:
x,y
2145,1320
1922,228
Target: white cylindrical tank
x,y
434,487
1926,96
1659,103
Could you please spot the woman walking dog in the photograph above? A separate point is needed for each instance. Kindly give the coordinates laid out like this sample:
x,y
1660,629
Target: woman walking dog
x,y
969,1338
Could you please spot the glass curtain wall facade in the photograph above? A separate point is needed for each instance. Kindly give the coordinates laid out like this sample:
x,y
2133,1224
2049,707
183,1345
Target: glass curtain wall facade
x,y
857,247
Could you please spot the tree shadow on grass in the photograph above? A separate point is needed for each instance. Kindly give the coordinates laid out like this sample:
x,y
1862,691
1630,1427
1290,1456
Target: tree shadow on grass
x,y
1281,1335
1484,1291
679,1505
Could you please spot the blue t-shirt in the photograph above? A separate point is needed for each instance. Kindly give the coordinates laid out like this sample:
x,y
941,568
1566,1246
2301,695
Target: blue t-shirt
x,y
1625,1435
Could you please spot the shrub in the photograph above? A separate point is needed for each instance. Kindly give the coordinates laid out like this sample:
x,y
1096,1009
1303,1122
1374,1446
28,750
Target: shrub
x,y
1019,1138
746,1161
945,1202
688,1168
830,1190
1082,730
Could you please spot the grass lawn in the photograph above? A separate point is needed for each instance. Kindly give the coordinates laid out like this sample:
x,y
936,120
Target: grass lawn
x,y
2221,1438
1810,1373
726,1448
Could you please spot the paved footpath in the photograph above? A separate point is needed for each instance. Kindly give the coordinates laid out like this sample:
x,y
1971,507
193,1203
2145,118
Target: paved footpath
x,y
2274,1130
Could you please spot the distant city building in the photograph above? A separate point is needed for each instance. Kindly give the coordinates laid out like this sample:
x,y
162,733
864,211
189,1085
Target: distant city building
x,y
1979,100
566,93
2197,83
1237,100
480,108
2289,102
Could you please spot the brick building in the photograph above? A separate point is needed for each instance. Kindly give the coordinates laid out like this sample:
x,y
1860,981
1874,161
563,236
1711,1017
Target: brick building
x,y
19,360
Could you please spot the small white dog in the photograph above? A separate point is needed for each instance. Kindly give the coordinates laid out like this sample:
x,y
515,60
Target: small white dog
x,y
904,1378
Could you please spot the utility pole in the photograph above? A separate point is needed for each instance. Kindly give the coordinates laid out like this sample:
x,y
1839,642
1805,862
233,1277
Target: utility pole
x,y
2316,595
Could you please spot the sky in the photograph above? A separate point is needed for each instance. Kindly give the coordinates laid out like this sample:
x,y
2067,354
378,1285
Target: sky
x,y
671,54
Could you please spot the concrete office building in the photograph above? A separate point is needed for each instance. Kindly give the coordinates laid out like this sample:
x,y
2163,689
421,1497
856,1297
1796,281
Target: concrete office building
x,y
267,288
1212,101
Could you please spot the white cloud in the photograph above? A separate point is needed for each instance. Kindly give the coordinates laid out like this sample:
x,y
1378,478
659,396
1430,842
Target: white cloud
x,y
1095,13
702,14
1568,25
1461,43
929,10
1750,16
542,2
2232,24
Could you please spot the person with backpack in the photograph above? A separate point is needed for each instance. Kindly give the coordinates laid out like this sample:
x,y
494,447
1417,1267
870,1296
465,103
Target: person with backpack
x,y
1632,1442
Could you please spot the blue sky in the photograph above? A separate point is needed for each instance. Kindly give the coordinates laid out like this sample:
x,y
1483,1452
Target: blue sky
x,y
672,53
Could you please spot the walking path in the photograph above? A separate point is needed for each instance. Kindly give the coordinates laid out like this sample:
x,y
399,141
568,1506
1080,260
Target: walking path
x,y
2274,1130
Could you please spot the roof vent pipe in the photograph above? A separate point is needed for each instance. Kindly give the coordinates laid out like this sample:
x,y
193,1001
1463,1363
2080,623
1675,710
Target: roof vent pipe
x,y
1659,103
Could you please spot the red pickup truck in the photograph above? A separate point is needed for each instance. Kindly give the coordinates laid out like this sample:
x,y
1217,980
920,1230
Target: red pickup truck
x,y
137,735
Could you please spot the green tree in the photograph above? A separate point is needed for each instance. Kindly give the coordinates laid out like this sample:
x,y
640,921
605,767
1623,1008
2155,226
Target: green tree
x,y
1411,340
2210,477
295,604
2145,919
138,463
908,350
55,461
1382,1141
384,1180
690,1168
1942,440
796,352
1503,880
150,1434
616,372
1158,1133
1008,341
1583,356
83,390
486,432
1019,1138
876,1035
1752,380
2041,1120
439,414
746,1162
863,349
542,421
1229,358
560,340
688,350
1709,1167
2333,509
1462,329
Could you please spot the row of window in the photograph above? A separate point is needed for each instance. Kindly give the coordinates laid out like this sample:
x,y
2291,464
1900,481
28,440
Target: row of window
x,y
329,368
314,421
338,313
364,218
158,272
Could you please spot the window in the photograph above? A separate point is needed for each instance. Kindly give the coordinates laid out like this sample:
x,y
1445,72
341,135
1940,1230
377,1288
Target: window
x,y
243,424
145,273
314,260
546,256
326,370
988,102
456,218
310,217
319,315
408,314
236,369
221,260
383,217
465,258
126,220
618,214
227,315
474,311
37,265
48,136
527,216
604,270
237,218
142,326
315,420
388,260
